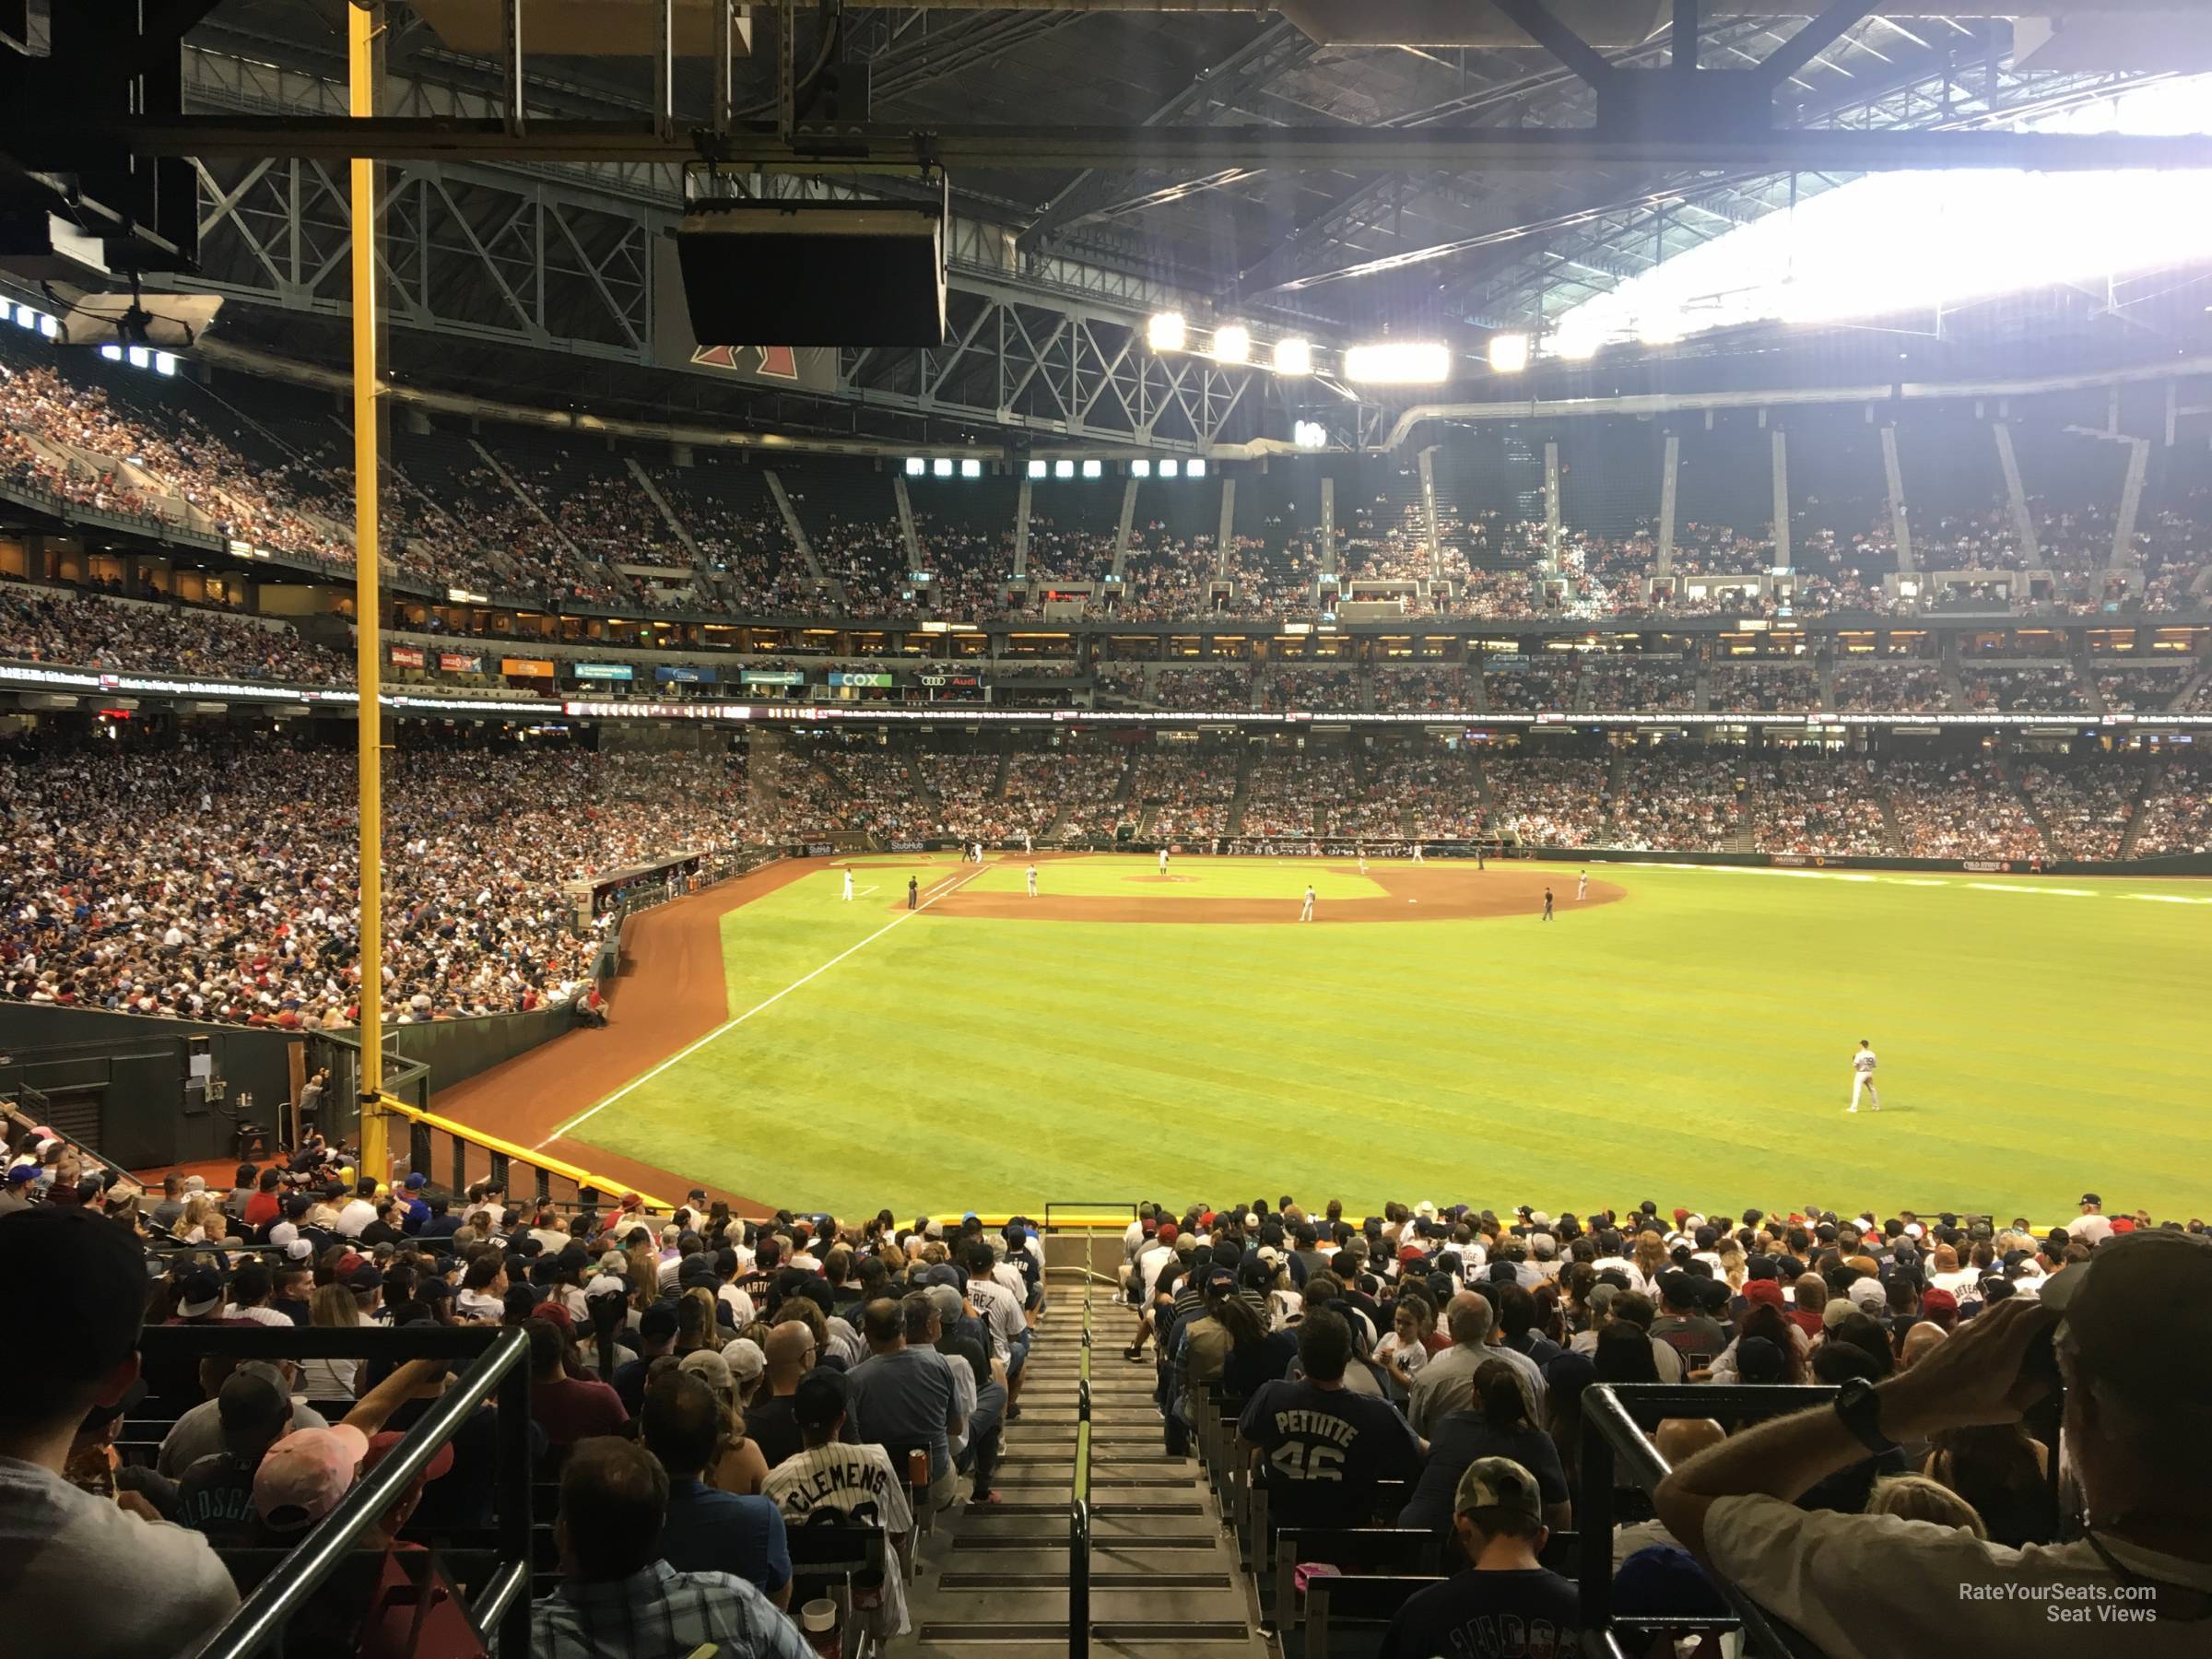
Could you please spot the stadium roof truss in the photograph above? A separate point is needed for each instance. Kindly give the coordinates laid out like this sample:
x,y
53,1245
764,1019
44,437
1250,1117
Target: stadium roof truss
x,y
1258,169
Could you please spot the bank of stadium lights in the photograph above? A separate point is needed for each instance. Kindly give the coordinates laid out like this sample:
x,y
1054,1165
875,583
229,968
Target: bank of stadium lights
x,y
1398,363
1064,469
972,469
1231,344
35,320
1167,332
1509,353
141,357
945,466
1294,356
1310,435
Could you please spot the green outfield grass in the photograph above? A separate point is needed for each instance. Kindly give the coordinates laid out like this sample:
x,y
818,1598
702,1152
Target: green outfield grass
x,y
1688,1044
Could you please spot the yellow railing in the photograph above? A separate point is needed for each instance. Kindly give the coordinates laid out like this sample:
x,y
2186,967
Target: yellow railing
x,y
496,1147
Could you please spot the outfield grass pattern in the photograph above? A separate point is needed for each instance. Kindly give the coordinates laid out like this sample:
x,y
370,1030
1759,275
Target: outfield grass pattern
x,y
1689,1044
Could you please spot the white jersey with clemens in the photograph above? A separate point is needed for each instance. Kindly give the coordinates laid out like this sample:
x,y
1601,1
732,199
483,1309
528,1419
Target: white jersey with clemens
x,y
859,1483
1862,1080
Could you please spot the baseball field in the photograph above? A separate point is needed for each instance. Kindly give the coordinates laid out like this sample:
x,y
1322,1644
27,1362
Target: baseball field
x,y
1680,1034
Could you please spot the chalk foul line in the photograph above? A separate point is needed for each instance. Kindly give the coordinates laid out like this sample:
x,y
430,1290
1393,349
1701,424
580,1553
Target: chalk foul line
x,y
951,884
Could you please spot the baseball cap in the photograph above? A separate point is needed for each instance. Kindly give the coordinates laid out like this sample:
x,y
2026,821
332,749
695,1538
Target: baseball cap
x,y
1868,1294
709,1367
201,1292
1498,1483
305,1476
2140,1311
819,1399
1938,1300
368,1276
946,1300
744,1358
22,1175
416,1180
252,1410
2092,1198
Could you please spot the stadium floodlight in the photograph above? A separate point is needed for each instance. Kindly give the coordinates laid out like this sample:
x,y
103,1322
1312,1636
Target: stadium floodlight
x,y
1140,469
1168,469
942,466
1193,469
971,469
1294,356
1094,469
1575,345
138,356
1232,344
1064,469
1166,331
1037,469
1659,328
1399,363
165,362
26,317
1310,434
917,467
48,326
112,353
1509,353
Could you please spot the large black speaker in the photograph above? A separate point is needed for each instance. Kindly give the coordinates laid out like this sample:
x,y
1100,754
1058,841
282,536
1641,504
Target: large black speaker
x,y
813,272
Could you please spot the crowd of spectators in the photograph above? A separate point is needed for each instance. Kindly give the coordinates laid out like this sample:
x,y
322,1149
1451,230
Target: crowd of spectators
x,y
2042,688
2176,812
1190,789
2084,803
1555,801
1821,805
1870,687
2143,688
1958,809
1333,690
1082,779
1766,687
1528,690
1423,688
1291,792
1671,804
1627,684
1169,685
210,881
92,630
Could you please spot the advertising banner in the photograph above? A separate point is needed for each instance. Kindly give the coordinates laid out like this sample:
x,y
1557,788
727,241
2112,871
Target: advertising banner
x,y
527,667
405,656
603,671
459,662
684,676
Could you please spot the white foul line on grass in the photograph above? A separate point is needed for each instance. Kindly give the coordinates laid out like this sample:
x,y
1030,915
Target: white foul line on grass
x,y
949,885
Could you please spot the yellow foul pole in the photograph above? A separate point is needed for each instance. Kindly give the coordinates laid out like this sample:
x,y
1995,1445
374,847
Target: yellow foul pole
x,y
363,23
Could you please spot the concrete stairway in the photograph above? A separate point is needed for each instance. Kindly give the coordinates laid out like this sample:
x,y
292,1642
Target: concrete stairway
x,y
1163,1571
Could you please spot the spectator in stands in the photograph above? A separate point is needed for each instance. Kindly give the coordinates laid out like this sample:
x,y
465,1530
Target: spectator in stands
x,y
2132,1330
1447,1382
568,1409
84,1573
828,1478
771,1420
709,1531
1498,1513
2002,1474
1497,1425
903,1394
1324,1446
619,1598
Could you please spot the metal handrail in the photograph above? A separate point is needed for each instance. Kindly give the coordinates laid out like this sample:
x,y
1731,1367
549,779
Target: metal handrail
x,y
1615,1447
1078,1514
501,1360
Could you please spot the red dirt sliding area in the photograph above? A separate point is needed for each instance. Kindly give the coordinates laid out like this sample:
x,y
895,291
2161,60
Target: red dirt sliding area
x,y
673,988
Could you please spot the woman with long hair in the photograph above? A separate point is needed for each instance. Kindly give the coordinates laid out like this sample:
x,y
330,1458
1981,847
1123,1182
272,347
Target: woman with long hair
x,y
738,1466
1650,1261
2005,1474
696,1326
332,1308
1499,1423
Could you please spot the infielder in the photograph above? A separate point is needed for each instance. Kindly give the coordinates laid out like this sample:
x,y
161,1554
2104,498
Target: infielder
x,y
1305,912
1861,1078
1164,861
1361,853
1417,852
1582,887
848,881
979,855
1027,847
1031,878
1546,904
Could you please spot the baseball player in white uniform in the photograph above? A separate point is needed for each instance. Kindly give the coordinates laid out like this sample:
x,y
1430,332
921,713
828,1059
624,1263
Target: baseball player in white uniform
x,y
1032,877
1305,911
1027,847
1417,852
848,881
1861,1078
1361,853
979,855
1164,861
1582,887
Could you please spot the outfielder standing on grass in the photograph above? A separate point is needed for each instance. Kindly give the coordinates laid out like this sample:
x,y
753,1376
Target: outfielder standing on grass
x,y
1582,887
1862,1077
848,881
1305,912
1031,878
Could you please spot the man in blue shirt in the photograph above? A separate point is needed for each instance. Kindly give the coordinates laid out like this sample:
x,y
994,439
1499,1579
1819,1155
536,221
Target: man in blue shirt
x,y
709,1531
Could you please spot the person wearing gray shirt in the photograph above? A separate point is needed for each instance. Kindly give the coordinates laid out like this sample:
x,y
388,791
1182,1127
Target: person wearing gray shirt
x,y
903,1394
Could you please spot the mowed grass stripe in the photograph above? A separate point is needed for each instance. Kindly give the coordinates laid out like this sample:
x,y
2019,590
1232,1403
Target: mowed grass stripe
x,y
1690,1043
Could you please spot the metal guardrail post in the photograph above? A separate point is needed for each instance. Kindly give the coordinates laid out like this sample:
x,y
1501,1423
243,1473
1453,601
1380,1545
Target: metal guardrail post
x,y
418,1147
460,1180
1078,1519
515,1493
498,1170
